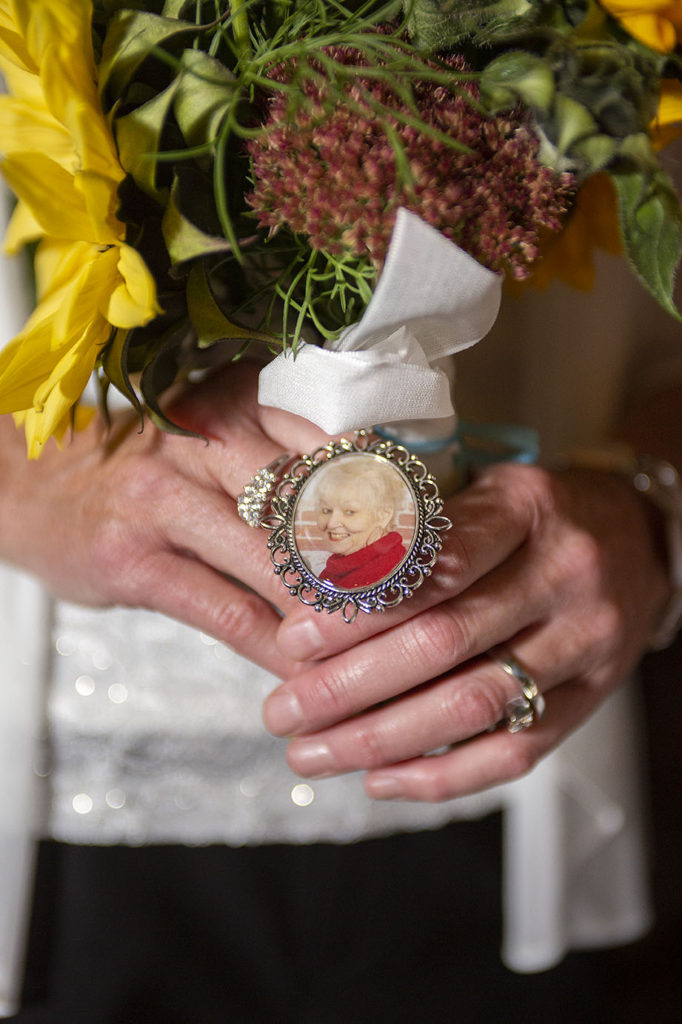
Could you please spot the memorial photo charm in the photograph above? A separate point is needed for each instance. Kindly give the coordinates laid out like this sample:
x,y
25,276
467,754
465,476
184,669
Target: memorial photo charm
x,y
355,526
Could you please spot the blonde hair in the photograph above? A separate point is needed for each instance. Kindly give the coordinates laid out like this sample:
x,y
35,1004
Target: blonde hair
x,y
380,479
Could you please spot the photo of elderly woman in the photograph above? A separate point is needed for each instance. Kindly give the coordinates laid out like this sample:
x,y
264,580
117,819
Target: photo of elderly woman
x,y
355,521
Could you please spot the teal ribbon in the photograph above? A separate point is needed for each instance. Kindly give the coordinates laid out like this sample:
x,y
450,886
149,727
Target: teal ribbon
x,y
475,445
481,444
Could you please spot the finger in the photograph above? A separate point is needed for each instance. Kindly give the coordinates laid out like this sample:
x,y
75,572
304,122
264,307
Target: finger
x,y
205,523
226,463
464,703
232,444
295,433
500,605
449,710
193,593
488,760
491,519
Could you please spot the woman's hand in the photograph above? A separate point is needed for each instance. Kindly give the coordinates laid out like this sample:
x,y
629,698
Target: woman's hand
x,y
562,569
149,519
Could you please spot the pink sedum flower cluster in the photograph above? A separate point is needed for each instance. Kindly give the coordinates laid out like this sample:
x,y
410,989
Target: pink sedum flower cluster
x,y
333,177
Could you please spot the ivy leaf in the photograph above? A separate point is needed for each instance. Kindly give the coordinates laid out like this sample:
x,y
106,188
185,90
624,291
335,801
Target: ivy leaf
x,y
651,225
209,321
138,135
205,91
131,37
189,227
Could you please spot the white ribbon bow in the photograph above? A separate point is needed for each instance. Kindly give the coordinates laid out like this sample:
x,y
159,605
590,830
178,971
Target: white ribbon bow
x,y
432,299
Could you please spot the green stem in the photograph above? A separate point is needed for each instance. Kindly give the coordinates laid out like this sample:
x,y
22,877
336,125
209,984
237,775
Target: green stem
x,y
240,26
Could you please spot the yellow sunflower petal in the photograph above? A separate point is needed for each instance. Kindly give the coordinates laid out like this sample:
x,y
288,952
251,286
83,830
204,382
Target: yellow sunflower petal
x,y
656,23
61,162
133,302
77,418
56,203
99,197
14,55
57,263
78,109
58,395
22,228
44,24
25,127
24,364
83,299
56,330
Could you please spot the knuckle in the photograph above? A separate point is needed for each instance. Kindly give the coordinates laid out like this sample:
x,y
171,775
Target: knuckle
x,y
114,553
238,620
576,566
370,747
517,758
433,786
583,557
530,488
328,695
608,625
455,560
437,639
142,478
472,707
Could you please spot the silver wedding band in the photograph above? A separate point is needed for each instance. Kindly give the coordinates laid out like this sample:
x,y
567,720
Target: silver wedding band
x,y
521,711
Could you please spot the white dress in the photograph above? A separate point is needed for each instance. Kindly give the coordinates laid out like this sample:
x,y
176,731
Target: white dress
x,y
130,728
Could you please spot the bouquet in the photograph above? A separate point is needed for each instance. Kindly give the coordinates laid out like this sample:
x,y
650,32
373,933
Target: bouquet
x,y
194,177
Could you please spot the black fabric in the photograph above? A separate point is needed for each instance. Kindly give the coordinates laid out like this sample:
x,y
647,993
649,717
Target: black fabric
x,y
398,930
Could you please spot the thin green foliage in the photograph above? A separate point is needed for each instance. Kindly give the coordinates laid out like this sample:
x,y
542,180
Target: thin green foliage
x,y
254,39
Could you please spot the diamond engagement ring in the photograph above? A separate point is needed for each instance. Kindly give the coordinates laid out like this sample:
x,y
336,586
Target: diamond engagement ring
x,y
523,710
253,502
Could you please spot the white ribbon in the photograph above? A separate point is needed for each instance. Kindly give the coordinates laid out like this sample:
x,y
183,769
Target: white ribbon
x,y
432,300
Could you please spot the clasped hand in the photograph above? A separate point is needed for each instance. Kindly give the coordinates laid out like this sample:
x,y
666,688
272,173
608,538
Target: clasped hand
x,y
563,569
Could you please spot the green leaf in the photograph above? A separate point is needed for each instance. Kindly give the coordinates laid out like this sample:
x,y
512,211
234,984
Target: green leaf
x,y
131,37
442,24
205,91
574,122
209,321
594,153
173,8
651,225
515,76
138,135
185,238
114,361
160,373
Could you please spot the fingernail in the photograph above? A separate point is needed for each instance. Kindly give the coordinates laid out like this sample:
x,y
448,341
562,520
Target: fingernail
x,y
300,640
384,787
311,758
282,713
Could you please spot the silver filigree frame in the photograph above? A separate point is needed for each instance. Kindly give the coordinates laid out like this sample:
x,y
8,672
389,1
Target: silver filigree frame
x,y
409,573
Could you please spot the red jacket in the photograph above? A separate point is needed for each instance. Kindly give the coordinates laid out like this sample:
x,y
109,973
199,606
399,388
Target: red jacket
x,y
368,565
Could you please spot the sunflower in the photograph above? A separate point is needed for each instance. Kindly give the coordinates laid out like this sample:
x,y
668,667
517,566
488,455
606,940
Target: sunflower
x,y
60,159
656,23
